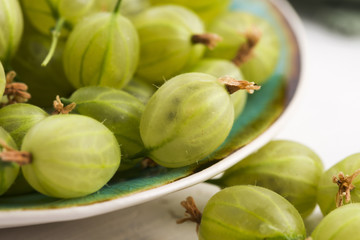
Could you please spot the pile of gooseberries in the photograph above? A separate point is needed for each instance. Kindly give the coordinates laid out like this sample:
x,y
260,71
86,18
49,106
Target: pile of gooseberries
x,y
91,88
270,193
96,87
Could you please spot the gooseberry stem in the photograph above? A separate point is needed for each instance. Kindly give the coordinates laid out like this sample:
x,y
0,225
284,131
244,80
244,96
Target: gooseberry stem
x,y
56,32
345,186
233,85
14,91
208,39
117,6
191,211
245,52
11,155
59,107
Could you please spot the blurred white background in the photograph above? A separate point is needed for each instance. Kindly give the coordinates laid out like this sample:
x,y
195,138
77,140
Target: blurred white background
x,y
327,120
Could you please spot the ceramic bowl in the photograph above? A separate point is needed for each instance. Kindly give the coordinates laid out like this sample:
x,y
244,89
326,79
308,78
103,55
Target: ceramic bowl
x,y
265,113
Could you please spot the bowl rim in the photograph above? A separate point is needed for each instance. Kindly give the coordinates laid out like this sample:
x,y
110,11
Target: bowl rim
x,y
10,218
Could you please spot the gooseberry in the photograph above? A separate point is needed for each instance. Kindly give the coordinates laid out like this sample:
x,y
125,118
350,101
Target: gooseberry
x,y
69,156
342,223
219,68
117,110
11,25
247,212
171,39
103,50
249,41
332,189
198,114
286,167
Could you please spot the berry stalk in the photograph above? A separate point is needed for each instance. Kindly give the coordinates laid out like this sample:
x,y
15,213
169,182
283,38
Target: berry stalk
x,y
11,155
192,213
117,7
208,39
233,85
56,32
245,52
345,186
14,91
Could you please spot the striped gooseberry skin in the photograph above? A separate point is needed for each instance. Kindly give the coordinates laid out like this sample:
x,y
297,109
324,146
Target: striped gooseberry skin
x,y
220,68
340,224
2,79
286,167
141,89
117,110
186,119
11,25
165,41
206,9
327,189
18,118
250,213
72,156
233,26
8,171
102,50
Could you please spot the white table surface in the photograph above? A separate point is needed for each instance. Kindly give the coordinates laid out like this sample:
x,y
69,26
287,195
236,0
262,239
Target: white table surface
x,y
327,120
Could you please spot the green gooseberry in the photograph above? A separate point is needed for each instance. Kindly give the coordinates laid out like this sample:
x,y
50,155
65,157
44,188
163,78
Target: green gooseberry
x,y
140,89
8,170
129,8
117,110
340,224
286,167
50,17
206,9
44,83
102,50
329,194
71,156
18,118
197,111
11,25
219,68
171,39
249,41
2,80
249,213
